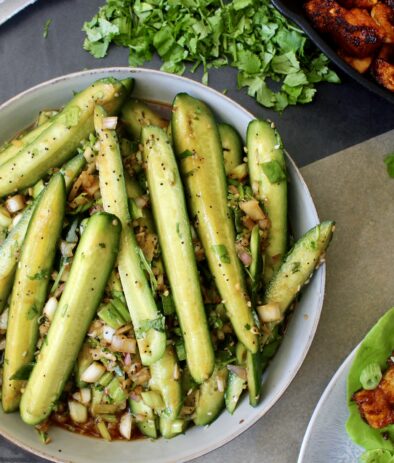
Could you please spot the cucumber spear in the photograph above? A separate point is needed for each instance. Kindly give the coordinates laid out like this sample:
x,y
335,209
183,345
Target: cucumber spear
x,y
198,148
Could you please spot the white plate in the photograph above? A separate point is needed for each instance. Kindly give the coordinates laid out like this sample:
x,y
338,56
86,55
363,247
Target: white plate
x,y
157,86
326,439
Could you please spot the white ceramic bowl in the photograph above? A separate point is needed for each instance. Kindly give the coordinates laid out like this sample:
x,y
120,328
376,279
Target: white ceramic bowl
x,y
18,113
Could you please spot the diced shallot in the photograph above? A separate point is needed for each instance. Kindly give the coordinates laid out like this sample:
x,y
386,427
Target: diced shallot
x,y
269,312
121,343
141,202
78,412
67,248
86,395
108,333
125,425
239,371
245,258
252,209
93,372
220,384
4,320
15,203
110,122
50,308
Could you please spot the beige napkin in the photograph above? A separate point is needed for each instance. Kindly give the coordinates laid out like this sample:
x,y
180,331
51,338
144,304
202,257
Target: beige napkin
x,y
353,188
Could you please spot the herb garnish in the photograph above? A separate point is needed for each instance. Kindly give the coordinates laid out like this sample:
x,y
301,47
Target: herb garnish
x,y
389,161
249,35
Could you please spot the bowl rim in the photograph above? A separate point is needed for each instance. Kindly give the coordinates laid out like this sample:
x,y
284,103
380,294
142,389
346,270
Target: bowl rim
x,y
295,367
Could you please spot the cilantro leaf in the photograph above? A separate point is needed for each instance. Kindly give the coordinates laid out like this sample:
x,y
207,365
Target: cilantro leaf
x,y
46,28
221,251
389,161
275,61
157,324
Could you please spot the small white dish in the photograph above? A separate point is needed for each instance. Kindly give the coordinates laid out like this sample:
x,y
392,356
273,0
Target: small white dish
x,y
326,439
157,86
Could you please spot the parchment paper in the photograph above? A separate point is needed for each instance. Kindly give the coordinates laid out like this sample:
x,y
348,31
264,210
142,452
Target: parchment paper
x,y
353,188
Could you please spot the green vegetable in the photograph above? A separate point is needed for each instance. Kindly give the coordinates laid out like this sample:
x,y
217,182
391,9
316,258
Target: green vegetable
x,y
59,141
370,376
232,147
111,317
147,320
267,171
136,114
210,401
194,129
307,252
91,268
16,145
168,200
376,348
30,288
249,35
377,456
163,381
46,28
388,160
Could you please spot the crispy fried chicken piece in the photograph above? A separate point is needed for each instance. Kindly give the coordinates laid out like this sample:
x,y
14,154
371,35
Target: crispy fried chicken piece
x,y
361,65
377,406
383,67
353,30
384,18
368,4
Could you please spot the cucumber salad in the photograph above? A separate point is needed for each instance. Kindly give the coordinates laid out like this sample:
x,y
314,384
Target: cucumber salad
x,y
146,265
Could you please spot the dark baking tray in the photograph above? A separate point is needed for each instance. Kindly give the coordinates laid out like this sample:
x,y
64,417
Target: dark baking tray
x,y
294,11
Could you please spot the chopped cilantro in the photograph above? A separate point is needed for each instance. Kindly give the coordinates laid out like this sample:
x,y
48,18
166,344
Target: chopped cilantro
x,y
221,251
157,324
46,28
41,275
274,171
185,154
296,266
249,35
389,161
146,266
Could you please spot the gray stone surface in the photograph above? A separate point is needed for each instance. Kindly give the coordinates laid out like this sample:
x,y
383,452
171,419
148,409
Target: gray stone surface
x,y
340,117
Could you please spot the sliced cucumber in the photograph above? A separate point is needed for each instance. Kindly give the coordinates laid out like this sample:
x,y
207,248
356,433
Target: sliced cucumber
x,y
198,148
173,226
235,386
164,379
267,171
136,114
299,265
231,145
30,288
254,369
210,400
147,320
145,418
92,265
171,428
